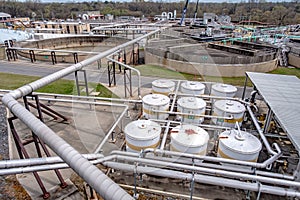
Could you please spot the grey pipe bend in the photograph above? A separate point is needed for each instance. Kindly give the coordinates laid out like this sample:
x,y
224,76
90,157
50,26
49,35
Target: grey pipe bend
x,y
91,174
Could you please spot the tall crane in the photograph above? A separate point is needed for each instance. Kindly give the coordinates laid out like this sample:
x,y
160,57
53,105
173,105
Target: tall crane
x,y
195,14
184,12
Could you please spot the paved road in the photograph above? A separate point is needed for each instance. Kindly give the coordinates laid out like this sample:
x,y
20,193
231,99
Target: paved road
x,y
41,69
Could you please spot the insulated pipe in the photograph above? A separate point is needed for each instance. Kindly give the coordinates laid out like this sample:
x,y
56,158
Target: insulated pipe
x,y
77,97
217,97
214,172
224,167
212,180
132,68
40,161
46,167
190,114
215,159
200,125
91,174
86,97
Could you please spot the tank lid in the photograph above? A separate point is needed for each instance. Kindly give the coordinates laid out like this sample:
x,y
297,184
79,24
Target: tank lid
x,y
242,142
191,102
193,85
230,106
224,88
189,135
163,83
156,99
142,130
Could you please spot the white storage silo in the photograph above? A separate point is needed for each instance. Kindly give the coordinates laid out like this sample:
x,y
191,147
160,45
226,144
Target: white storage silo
x,y
228,108
142,134
223,90
239,146
153,103
191,105
192,87
188,138
163,86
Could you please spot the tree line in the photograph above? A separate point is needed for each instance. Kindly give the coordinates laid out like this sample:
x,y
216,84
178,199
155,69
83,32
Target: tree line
x,y
279,13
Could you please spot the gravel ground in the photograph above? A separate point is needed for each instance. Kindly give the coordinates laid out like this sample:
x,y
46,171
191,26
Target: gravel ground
x,y
9,186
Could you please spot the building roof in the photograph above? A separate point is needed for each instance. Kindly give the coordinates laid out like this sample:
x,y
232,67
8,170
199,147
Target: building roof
x,y
282,95
2,14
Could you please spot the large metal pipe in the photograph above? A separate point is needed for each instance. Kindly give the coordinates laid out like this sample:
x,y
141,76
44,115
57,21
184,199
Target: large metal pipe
x,y
44,164
91,174
215,172
190,114
206,179
4,164
207,126
216,97
216,166
46,167
215,159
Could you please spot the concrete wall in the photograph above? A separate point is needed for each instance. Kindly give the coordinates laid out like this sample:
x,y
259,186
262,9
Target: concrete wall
x,y
2,53
205,57
294,60
57,43
69,42
70,28
207,69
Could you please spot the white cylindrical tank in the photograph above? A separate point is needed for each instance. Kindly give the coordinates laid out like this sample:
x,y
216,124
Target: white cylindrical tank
x,y
228,108
239,146
192,87
163,86
191,105
142,134
189,139
223,90
153,103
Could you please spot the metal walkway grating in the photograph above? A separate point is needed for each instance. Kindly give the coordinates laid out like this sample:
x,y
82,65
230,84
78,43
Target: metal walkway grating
x,y
282,94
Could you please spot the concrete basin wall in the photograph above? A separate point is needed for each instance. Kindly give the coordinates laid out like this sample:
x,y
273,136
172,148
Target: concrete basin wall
x,y
294,60
68,42
208,69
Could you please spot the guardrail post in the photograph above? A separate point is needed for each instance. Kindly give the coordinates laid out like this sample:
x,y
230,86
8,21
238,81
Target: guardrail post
x,y
53,57
32,56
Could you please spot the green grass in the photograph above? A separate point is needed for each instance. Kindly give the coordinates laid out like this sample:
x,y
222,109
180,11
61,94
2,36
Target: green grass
x,y
157,71
14,81
104,92
287,71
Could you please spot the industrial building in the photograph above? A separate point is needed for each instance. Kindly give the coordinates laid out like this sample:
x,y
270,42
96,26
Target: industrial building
x,y
4,16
